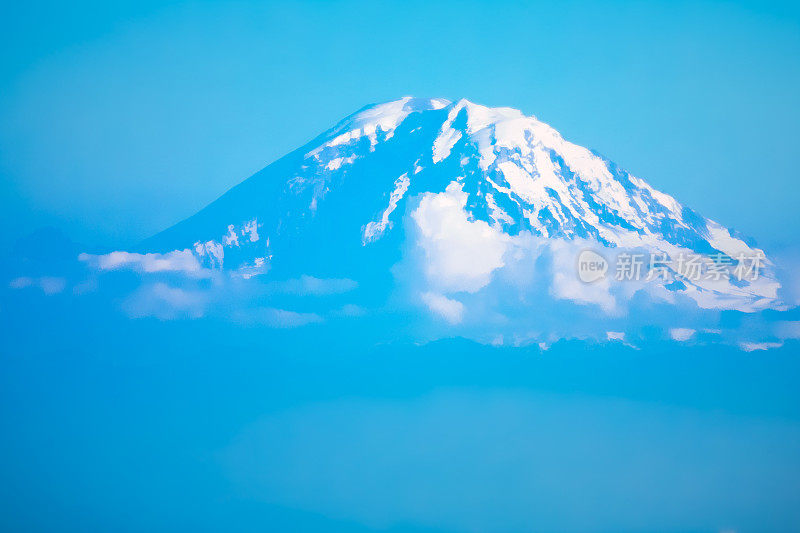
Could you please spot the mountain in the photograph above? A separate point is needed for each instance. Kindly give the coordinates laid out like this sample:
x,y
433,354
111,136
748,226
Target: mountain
x,y
341,204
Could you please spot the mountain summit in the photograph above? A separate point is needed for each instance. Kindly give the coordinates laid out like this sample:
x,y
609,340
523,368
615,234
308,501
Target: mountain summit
x,y
415,170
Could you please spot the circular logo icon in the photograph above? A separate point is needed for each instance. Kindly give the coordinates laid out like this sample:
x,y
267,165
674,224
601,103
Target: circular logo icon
x,y
591,266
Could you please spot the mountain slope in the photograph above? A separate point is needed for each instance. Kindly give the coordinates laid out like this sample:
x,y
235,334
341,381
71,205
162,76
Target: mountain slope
x,y
337,205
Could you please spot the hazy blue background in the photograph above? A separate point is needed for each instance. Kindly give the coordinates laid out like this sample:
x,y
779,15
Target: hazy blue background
x,y
118,120
114,424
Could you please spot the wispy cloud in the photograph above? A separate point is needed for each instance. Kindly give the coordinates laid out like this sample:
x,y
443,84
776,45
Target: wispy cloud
x,y
681,334
176,285
175,261
309,285
447,308
759,346
276,318
49,285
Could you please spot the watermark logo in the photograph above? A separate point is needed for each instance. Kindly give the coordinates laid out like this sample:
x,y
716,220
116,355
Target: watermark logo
x,y
591,266
692,267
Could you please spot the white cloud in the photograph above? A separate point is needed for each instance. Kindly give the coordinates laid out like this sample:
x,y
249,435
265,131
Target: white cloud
x,y
789,329
165,302
21,282
451,310
681,334
49,285
309,285
276,318
175,285
759,346
175,261
566,283
524,289
460,254
615,335
497,271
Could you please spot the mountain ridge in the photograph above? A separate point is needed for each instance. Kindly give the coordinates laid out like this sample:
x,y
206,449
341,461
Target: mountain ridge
x,y
354,183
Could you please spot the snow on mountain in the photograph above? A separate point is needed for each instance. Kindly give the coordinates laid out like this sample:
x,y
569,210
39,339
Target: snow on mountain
x,y
358,186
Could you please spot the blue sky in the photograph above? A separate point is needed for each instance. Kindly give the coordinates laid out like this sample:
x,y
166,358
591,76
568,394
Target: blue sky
x,y
118,119
116,122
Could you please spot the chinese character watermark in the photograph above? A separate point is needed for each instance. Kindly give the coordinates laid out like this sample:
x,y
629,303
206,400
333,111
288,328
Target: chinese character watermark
x,y
634,266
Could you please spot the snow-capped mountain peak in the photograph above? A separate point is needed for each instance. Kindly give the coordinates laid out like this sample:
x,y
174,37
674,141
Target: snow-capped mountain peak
x,y
354,184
